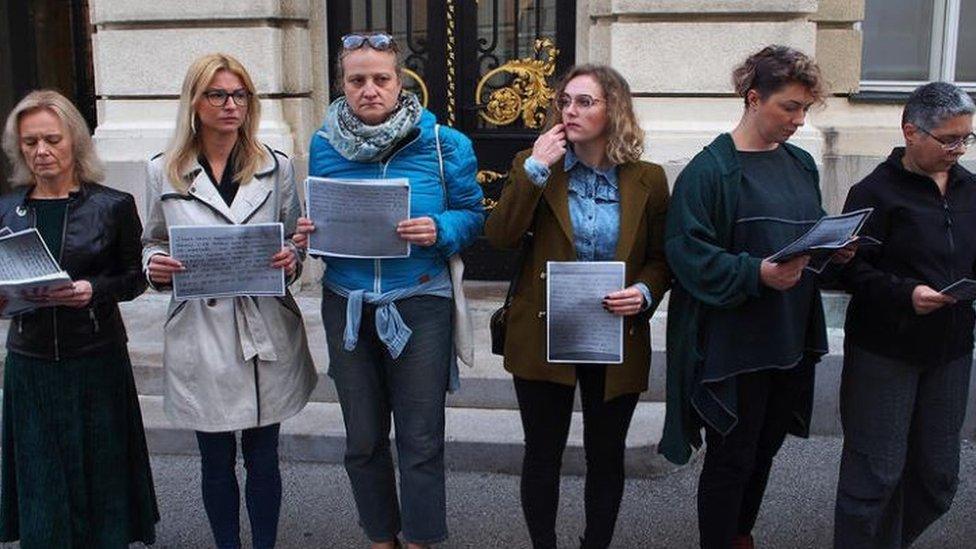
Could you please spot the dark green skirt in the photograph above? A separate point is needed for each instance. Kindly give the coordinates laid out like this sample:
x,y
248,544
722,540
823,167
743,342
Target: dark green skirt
x,y
75,469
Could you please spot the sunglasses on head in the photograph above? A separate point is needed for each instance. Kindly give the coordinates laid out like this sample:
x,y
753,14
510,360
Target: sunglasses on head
x,y
380,42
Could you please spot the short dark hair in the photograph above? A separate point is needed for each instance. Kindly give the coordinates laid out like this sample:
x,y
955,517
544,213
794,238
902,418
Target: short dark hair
x,y
932,104
775,66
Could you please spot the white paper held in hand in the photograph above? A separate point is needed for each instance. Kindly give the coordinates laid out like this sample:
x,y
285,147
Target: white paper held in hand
x,y
357,218
578,329
27,269
828,235
227,260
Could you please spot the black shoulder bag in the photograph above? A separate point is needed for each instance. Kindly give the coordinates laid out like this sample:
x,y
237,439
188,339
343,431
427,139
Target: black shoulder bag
x,y
499,319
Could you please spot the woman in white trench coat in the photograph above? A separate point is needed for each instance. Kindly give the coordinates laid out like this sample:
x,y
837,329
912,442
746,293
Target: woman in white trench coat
x,y
232,364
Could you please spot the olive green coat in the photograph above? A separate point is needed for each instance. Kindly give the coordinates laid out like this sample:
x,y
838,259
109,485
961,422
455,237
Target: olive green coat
x,y
545,211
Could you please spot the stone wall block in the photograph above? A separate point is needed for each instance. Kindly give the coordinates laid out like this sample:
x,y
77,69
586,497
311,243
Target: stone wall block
x,y
663,57
123,11
840,11
300,114
658,7
839,55
296,65
154,61
600,43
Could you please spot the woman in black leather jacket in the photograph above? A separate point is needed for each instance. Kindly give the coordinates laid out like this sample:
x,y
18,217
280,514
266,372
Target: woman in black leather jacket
x,y
75,469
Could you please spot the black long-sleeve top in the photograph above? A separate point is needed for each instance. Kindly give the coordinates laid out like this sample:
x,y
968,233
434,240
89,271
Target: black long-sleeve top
x,y
926,238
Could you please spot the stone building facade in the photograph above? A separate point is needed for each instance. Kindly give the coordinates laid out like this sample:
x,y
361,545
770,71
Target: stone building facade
x,y
677,55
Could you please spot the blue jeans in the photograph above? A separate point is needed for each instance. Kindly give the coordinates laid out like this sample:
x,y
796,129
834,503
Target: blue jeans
x,y
221,495
371,386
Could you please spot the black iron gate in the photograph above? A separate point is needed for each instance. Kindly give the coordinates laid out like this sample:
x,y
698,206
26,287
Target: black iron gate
x,y
485,67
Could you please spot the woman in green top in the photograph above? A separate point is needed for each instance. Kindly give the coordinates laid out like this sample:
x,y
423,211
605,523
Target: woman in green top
x,y
75,469
744,333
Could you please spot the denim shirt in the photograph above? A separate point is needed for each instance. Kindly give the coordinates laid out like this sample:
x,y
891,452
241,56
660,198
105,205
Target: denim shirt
x,y
594,209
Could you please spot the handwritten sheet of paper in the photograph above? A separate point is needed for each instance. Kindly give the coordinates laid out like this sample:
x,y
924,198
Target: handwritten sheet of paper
x,y
24,257
828,234
226,260
357,218
962,290
27,269
578,329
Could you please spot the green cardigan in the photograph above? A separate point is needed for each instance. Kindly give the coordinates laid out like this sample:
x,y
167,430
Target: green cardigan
x,y
698,234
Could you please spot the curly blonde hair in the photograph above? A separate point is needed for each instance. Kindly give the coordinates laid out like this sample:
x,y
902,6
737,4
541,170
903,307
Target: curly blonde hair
x,y
625,137
88,168
775,66
184,148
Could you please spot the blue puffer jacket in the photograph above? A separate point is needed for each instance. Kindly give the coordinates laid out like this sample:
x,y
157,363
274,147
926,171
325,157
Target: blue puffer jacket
x,y
457,226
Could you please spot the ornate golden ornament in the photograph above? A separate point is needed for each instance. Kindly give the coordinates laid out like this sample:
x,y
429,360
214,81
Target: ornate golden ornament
x,y
485,177
420,82
528,95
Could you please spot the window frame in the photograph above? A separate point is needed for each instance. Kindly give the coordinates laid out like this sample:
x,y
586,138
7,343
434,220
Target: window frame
x,y
946,19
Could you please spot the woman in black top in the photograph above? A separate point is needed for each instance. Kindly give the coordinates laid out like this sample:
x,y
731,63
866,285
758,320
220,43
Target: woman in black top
x,y
908,348
75,466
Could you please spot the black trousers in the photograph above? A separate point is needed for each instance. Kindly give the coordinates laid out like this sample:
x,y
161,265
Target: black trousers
x,y
736,469
546,409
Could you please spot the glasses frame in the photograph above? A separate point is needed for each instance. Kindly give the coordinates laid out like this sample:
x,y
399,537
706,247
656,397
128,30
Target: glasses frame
x,y
240,96
965,141
575,100
378,41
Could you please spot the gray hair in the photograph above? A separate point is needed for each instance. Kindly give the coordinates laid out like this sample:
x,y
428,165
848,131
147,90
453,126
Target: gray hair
x,y
932,104
88,168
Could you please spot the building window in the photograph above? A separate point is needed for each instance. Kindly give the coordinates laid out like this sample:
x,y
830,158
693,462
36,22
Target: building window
x,y
910,42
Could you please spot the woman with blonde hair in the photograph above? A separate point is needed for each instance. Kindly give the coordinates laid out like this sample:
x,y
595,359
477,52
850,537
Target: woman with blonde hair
x,y
586,195
235,363
75,467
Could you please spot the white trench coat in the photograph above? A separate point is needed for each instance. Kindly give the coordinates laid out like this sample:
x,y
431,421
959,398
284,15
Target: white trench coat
x,y
231,363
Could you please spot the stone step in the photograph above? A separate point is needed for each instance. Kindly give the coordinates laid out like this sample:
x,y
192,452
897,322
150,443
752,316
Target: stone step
x,y
481,440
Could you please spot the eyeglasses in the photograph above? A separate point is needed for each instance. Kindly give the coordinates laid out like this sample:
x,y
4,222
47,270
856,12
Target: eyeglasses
x,y
218,98
381,42
582,101
964,141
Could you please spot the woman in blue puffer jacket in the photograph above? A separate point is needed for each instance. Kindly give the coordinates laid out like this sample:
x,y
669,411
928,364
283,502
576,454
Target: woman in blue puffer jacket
x,y
389,321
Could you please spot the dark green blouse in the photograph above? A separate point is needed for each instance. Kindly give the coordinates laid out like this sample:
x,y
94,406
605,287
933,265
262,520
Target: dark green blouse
x,y
50,221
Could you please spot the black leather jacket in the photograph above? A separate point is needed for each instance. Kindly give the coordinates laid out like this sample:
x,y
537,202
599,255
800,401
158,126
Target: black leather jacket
x,y
100,244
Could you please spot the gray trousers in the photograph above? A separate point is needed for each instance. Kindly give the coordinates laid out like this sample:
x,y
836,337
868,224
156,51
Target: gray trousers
x,y
900,465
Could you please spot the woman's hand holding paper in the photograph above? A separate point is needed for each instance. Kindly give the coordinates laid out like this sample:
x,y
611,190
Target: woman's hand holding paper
x,y
421,231
626,302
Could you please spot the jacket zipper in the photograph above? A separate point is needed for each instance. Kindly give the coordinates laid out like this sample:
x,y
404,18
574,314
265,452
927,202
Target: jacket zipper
x,y
952,270
91,314
952,242
33,224
377,263
54,312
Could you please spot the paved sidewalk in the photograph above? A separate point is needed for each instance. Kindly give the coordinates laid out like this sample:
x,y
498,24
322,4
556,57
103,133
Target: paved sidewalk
x,y
485,513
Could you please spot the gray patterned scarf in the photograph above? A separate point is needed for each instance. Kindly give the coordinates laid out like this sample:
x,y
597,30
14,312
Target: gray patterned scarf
x,y
357,141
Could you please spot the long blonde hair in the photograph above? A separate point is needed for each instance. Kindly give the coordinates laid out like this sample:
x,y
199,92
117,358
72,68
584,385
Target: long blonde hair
x,y
249,154
88,168
625,137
